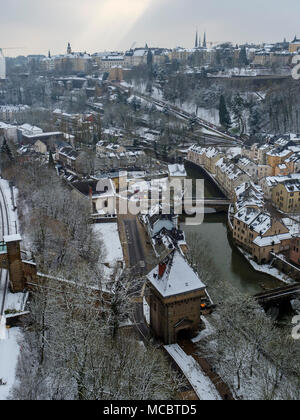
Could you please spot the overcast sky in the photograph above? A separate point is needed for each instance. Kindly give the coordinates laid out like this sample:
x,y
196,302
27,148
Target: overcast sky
x,y
96,25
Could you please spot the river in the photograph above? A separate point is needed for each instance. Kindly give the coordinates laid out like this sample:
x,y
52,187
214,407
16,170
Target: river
x,y
232,265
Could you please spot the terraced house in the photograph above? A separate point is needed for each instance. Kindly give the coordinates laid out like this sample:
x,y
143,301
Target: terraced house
x,y
286,196
229,176
260,234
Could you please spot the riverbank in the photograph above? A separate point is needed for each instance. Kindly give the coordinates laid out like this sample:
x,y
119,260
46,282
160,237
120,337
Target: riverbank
x,y
215,236
211,189
267,269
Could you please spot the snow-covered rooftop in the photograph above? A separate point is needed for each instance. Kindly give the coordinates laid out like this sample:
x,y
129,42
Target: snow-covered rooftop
x,y
178,278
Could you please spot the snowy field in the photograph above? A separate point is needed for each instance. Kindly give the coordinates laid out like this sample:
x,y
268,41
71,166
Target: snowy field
x,y
201,384
109,234
9,352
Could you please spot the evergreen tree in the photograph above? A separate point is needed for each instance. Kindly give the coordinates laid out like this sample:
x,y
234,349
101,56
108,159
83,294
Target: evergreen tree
x,y
255,120
149,58
225,120
204,41
243,60
51,163
5,149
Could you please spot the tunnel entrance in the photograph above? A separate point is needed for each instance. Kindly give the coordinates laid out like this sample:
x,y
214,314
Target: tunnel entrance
x,y
184,334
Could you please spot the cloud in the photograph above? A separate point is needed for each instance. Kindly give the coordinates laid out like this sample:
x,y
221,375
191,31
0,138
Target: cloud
x,y
95,25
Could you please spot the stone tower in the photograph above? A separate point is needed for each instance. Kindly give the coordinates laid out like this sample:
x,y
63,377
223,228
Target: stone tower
x,y
15,267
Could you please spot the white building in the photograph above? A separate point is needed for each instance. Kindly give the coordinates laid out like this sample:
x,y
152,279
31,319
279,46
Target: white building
x,y
2,66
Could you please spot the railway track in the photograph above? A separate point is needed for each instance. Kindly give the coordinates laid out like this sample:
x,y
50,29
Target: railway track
x,y
183,114
4,276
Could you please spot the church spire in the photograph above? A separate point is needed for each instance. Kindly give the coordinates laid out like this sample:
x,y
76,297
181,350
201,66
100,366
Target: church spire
x,y
69,49
196,41
204,40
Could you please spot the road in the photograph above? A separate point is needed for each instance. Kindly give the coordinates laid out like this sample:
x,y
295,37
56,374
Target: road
x,y
135,248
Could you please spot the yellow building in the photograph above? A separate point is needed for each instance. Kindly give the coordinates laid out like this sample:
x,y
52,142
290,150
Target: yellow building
x,y
259,234
294,45
277,157
286,196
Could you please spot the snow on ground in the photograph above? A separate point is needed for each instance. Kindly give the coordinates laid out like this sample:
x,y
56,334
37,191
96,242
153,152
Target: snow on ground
x,y
112,249
210,132
267,269
3,334
209,330
9,352
201,384
109,234
146,309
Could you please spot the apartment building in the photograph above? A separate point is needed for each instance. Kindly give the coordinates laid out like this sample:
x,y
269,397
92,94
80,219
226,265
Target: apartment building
x,y
286,196
259,234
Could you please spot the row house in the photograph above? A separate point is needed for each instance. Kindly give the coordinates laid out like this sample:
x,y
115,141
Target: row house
x,y
229,176
248,195
267,184
263,171
247,165
106,62
139,56
286,196
67,157
205,157
260,234
263,247
196,155
121,160
257,153
211,157
102,147
8,113
293,163
277,157
74,62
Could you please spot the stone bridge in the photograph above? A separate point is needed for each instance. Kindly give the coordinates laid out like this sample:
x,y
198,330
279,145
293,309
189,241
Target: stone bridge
x,y
275,297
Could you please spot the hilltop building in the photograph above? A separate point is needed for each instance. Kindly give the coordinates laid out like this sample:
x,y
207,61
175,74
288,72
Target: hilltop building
x,y
294,45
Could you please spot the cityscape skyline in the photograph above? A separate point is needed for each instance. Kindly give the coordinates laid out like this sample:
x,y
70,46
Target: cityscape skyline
x,y
116,25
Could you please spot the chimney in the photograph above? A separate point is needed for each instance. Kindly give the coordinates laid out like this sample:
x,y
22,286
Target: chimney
x,y
161,269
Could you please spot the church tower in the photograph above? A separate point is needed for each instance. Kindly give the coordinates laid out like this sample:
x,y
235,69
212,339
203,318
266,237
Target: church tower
x,y
204,40
69,49
196,41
